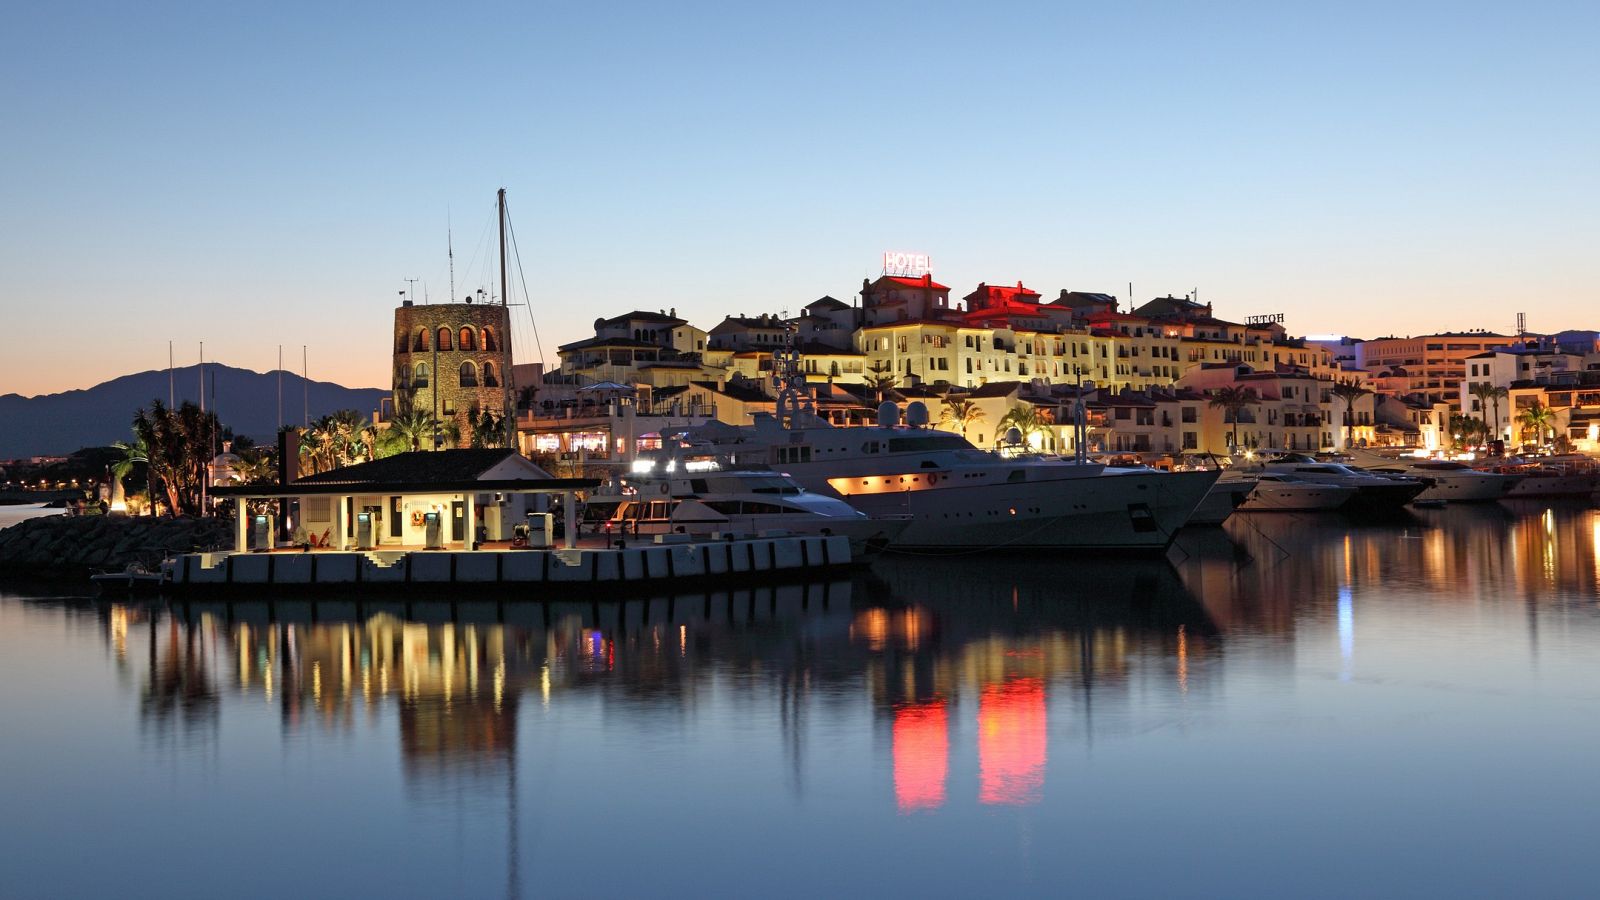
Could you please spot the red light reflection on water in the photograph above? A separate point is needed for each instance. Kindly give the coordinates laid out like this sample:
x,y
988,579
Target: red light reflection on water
x,y
921,755
1011,742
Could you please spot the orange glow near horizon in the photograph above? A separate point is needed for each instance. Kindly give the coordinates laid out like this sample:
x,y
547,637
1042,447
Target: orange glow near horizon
x,y
921,755
1012,742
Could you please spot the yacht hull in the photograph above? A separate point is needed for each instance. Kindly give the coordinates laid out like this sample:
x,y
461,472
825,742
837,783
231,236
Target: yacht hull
x,y
1469,488
1560,485
1224,498
1300,497
1135,511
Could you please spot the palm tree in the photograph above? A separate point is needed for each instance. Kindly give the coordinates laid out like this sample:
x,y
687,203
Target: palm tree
x,y
346,426
256,466
961,413
488,430
1349,391
178,448
1486,394
133,454
413,428
881,377
1232,401
1498,393
1538,419
1026,419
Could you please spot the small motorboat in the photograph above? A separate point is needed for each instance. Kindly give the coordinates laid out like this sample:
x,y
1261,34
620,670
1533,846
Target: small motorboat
x,y
134,578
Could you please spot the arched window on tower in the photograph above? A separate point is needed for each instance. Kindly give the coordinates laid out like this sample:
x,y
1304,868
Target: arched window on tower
x,y
421,342
420,378
489,342
402,376
402,342
489,379
468,340
444,339
469,374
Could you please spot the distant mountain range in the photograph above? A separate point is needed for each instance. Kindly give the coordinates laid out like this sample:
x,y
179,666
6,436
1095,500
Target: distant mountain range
x,y
246,401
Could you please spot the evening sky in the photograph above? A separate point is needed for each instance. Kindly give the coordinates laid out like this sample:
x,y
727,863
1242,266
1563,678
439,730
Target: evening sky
x,y
269,174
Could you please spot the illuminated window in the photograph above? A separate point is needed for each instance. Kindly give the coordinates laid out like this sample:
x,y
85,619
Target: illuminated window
x,y
467,340
421,342
489,342
444,339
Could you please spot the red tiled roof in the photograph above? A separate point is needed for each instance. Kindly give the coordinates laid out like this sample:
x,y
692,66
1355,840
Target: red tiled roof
x,y
925,281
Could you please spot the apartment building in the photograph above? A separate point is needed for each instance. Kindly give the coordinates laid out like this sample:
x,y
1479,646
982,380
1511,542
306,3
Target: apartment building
x,y
1432,365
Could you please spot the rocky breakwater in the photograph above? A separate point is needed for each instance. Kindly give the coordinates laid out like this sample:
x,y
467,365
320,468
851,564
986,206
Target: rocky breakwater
x,y
73,545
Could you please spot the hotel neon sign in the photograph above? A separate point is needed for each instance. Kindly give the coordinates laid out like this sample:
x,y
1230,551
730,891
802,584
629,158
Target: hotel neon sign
x,y
906,265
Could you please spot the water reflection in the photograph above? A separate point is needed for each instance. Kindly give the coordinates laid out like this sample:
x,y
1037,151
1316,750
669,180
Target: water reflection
x,y
928,688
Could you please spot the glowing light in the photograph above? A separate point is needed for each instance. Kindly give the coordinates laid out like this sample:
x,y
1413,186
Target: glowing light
x,y
1012,742
906,265
1183,660
701,465
921,755
643,465
1347,631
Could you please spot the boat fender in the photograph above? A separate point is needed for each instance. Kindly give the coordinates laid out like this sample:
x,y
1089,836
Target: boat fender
x,y
933,478
666,488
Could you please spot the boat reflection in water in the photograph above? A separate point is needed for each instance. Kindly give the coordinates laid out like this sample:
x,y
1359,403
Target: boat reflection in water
x,y
945,661
1055,720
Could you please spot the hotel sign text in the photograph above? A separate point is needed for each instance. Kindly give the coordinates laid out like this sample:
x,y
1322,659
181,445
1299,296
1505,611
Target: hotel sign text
x,y
907,265
1267,319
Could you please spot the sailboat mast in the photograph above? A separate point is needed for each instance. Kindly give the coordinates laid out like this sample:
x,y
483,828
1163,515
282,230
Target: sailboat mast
x,y
508,410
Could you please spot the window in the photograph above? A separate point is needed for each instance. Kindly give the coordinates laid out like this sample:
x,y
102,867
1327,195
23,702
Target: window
x,y
469,374
449,407
489,379
489,342
421,342
467,339
444,339
421,379
401,343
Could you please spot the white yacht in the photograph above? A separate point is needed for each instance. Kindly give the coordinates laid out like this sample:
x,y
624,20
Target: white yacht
x,y
961,497
1285,493
676,497
1230,493
1568,476
1375,493
1446,481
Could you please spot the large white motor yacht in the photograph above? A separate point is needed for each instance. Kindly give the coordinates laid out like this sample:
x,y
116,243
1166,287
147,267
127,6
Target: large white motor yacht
x,y
670,496
961,497
1375,493
1447,481
1285,493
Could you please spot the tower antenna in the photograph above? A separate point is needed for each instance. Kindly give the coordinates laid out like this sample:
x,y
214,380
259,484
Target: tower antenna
x,y
411,283
450,250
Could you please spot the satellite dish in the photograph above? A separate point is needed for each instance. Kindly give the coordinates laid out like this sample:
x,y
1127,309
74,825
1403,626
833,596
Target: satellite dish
x,y
916,414
1013,436
888,414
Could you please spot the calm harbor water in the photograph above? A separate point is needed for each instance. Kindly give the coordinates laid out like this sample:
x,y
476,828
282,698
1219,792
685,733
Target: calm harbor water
x,y
1296,706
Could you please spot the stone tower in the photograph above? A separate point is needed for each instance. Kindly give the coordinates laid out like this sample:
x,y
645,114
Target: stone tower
x,y
452,359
